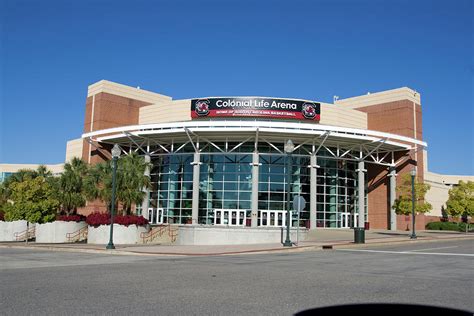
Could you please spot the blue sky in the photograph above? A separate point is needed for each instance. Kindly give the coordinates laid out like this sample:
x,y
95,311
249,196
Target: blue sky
x,y
50,51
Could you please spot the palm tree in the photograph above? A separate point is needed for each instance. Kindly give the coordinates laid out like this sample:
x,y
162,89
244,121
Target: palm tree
x,y
42,171
132,181
71,185
98,183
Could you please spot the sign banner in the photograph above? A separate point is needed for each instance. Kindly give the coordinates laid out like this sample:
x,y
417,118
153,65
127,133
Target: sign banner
x,y
255,107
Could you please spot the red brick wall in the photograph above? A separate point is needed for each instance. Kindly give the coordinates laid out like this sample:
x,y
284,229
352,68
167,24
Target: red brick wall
x,y
396,118
404,222
109,111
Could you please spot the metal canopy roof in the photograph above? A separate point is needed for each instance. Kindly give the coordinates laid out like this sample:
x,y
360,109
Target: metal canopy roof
x,y
368,142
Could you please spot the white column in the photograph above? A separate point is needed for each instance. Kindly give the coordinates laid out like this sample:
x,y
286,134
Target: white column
x,y
361,194
196,170
312,198
393,184
146,200
255,165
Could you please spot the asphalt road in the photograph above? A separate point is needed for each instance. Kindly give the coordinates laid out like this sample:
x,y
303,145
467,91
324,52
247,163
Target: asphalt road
x,y
43,282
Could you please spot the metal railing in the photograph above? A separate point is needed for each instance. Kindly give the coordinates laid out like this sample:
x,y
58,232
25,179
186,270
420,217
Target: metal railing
x,y
159,231
26,234
78,235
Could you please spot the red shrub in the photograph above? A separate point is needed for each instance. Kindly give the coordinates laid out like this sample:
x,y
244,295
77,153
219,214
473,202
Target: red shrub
x,y
97,219
71,218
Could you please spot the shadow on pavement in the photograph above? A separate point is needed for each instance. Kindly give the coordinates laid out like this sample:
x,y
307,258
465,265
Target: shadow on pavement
x,y
378,309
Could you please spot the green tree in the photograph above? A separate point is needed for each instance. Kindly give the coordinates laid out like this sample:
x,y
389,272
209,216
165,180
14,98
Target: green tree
x,y
22,175
98,183
71,192
33,199
403,204
461,200
130,181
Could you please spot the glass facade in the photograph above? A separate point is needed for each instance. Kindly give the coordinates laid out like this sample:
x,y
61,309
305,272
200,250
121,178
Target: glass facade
x,y
225,183
4,176
172,181
225,187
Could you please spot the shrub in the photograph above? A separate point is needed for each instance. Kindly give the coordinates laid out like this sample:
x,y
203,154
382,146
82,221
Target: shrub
x,y
130,220
447,226
97,219
462,227
71,218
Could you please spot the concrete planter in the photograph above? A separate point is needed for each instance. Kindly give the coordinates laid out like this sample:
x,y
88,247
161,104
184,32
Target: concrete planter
x,y
8,229
212,235
56,232
125,235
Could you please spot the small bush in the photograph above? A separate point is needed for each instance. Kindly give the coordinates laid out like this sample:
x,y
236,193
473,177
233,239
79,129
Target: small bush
x,y
97,219
447,226
462,227
71,218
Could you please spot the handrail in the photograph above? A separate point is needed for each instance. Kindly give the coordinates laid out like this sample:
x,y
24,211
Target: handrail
x,y
78,235
152,234
173,233
158,231
25,234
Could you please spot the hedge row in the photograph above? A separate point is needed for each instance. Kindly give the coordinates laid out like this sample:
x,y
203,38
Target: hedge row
x,y
97,219
457,227
71,218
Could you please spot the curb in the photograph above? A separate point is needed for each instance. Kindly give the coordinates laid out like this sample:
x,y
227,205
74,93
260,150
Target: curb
x,y
306,248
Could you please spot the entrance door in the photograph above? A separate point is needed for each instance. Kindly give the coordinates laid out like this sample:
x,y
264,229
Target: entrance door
x,y
272,218
229,217
155,216
344,219
348,220
355,220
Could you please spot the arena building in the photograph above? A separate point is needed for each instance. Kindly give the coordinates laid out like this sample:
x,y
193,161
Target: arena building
x,y
222,161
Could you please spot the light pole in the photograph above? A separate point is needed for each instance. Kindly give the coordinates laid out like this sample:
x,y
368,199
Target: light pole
x,y
115,155
413,197
289,148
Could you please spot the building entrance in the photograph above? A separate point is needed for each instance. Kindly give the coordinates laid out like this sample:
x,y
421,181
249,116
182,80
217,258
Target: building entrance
x,y
229,217
155,215
348,220
272,218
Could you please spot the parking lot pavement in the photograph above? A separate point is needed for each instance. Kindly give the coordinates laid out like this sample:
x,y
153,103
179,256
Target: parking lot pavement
x,y
263,284
463,248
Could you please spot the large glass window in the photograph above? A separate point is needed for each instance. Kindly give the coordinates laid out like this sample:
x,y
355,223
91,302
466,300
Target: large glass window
x,y
172,182
225,183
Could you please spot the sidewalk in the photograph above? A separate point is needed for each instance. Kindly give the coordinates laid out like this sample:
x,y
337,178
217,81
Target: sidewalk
x,y
317,240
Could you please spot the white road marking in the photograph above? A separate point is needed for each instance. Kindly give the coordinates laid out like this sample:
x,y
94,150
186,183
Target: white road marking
x,y
410,252
434,248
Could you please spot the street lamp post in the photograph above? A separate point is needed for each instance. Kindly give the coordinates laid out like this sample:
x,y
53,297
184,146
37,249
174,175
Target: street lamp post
x,y
115,155
289,148
413,197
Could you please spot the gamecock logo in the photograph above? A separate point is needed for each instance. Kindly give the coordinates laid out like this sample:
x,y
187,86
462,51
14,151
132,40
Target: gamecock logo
x,y
202,107
309,110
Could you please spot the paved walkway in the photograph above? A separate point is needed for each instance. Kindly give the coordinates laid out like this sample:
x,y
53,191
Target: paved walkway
x,y
317,240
